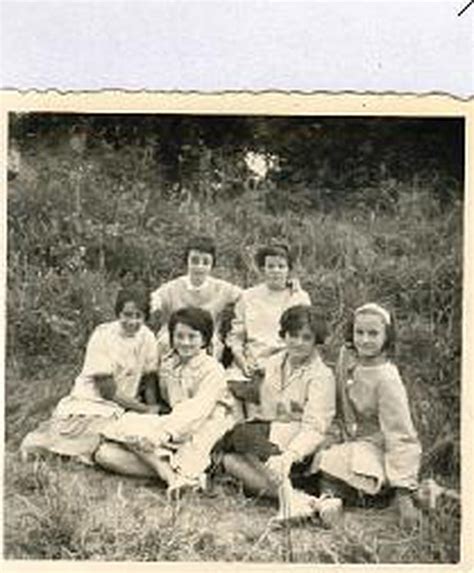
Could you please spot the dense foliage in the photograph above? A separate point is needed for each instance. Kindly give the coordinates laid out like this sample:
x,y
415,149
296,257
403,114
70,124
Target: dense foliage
x,y
371,206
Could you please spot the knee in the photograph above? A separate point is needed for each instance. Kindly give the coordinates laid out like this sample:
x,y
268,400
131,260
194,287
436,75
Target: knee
x,y
232,463
105,456
114,458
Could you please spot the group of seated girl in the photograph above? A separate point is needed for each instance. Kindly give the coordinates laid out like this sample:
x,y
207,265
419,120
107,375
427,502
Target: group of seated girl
x,y
163,406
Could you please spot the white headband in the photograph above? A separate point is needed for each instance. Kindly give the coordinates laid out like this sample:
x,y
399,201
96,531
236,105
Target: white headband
x,y
374,307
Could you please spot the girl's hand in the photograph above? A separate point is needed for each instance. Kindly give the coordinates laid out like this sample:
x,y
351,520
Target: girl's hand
x,y
164,438
243,364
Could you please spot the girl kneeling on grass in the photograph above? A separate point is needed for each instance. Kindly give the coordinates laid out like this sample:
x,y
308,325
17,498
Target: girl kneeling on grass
x,y
297,405
176,446
119,367
380,448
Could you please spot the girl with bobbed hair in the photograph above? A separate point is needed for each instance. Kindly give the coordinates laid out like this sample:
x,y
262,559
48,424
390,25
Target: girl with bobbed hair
x,y
119,370
297,405
197,288
176,447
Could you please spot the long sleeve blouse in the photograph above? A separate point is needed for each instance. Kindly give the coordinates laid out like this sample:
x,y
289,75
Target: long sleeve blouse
x,y
304,397
213,295
193,389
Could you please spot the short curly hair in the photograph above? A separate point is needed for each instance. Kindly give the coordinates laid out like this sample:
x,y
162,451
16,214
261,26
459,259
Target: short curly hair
x,y
297,317
194,317
273,250
203,244
390,332
139,296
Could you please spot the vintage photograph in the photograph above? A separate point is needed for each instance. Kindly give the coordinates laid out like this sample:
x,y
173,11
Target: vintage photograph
x,y
234,337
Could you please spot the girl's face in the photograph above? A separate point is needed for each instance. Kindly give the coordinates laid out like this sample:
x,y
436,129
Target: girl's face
x,y
299,344
187,341
276,271
199,266
130,318
369,335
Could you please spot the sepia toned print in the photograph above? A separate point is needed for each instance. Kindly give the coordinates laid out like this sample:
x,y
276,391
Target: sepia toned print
x,y
362,204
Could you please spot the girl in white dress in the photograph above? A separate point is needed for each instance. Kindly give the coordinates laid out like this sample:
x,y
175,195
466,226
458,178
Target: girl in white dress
x,y
119,368
254,334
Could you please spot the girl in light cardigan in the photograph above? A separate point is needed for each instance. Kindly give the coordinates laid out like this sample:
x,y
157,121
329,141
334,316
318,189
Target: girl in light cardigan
x,y
380,448
197,288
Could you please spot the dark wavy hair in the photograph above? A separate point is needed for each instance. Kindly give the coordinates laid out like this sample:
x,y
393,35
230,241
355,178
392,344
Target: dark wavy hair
x,y
390,332
139,296
297,317
273,250
203,244
194,317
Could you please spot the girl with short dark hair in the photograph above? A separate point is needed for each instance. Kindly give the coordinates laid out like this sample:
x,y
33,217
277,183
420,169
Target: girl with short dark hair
x,y
119,368
297,405
196,288
176,447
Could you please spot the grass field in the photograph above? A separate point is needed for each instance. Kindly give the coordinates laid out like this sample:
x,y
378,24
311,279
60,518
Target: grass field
x,y
60,509
374,211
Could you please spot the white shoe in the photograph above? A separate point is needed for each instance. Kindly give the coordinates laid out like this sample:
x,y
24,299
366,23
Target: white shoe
x,y
182,484
295,505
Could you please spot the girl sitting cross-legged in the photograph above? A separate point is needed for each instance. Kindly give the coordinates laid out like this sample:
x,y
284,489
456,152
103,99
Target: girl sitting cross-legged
x,y
297,405
176,447
380,449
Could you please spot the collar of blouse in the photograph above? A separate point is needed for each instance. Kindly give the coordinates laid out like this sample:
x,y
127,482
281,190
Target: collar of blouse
x,y
191,287
290,374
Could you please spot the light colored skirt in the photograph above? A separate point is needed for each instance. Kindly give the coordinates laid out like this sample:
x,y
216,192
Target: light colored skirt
x,y
73,430
360,464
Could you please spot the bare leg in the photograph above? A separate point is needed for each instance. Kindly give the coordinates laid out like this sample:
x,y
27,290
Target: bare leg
x,y
252,473
159,466
115,458
177,483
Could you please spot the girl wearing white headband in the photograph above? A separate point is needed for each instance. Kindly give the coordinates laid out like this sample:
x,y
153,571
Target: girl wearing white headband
x,y
376,309
379,448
